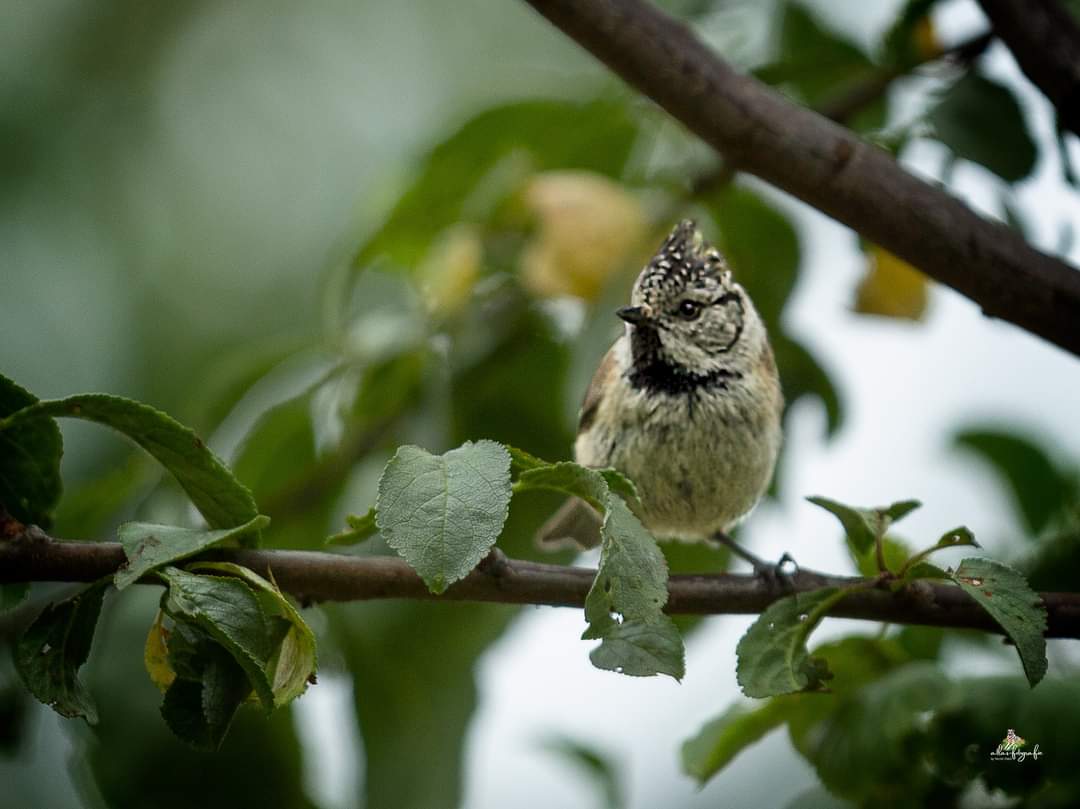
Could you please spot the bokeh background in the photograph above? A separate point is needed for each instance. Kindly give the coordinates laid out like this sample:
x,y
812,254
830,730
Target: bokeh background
x,y
315,232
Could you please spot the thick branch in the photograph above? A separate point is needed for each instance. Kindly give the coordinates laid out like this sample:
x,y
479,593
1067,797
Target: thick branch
x,y
759,131
1045,40
334,577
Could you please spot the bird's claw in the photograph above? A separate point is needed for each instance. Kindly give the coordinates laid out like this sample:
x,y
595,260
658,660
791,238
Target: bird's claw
x,y
777,575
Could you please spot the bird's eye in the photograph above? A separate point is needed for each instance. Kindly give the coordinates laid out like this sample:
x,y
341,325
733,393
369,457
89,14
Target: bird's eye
x,y
689,310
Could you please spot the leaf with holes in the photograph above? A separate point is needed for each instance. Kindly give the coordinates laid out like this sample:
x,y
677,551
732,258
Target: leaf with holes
x,y
772,655
624,607
956,538
219,496
443,513
625,604
148,546
52,650
641,648
1006,595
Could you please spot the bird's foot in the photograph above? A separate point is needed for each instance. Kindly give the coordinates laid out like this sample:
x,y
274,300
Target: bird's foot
x,y
779,574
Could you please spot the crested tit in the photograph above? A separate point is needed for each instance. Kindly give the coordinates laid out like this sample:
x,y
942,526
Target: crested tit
x,y
686,403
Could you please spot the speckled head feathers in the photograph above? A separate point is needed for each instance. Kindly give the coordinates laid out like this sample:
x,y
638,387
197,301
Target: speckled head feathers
x,y
685,261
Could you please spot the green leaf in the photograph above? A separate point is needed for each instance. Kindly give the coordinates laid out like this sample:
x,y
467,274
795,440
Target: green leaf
x,y
12,595
221,499
1055,563
591,485
625,604
723,738
980,120
522,461
29,460
864,525
632,578
359,529
641,648
624,607
148,546
52,650
1005,594
896,554
897,511
621,485
294,664
199,707
594,764
569,478
819,64
956,538
872,748
227,610
1041,490
772,655
536,135
443,513
924,570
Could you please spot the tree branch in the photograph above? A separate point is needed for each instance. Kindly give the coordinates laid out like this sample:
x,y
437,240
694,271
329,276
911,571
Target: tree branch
x,y
1045,41
312,576
825,165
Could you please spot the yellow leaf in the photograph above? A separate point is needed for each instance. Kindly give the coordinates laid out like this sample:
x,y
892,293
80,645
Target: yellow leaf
x,y
891,287
156,655
448,273
588,227
924,37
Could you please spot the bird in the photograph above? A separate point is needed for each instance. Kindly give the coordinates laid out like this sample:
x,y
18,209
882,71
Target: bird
x,y
687,403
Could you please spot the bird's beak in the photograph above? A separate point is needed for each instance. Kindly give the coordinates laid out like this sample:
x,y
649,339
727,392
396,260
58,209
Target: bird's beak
x,y
635,315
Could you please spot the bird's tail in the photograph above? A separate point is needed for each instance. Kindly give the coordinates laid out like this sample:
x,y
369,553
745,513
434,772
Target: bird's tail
x,y
575,525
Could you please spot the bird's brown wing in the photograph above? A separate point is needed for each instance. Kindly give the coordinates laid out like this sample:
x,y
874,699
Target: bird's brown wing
x,y
595,394
575,525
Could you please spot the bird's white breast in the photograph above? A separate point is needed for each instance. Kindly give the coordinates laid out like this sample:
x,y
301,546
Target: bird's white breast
x,y
701,460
